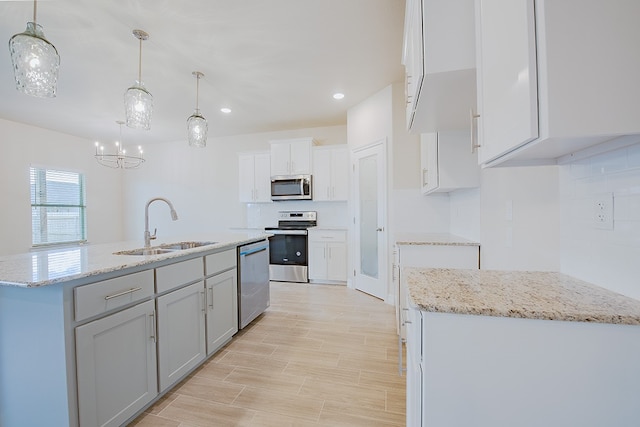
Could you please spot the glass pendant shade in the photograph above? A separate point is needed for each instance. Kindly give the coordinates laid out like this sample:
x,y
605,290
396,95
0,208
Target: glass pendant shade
x,y
138,104
35,62
138,101
197,126
197,129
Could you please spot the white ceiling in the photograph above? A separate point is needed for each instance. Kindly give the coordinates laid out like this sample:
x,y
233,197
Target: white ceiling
x,y
275,63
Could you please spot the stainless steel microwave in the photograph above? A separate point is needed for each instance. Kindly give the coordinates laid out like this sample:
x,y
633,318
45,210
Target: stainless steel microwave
x,y
291,187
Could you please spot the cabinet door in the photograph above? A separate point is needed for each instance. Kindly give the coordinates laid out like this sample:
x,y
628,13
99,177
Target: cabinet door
x,y
246,178
300,153
116,366
181,332
340,174
317,260
262,178
414,56
429,161
280,158
337,261
414,396
222,309
506,73
322,175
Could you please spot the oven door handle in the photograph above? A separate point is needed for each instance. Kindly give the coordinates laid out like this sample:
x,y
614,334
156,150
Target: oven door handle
x,y
292,232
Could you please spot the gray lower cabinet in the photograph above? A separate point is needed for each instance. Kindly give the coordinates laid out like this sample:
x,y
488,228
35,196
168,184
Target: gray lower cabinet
x,y
181,333
222,309
116,366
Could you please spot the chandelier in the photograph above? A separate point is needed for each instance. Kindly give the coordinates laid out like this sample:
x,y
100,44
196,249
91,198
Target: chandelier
x,y
138,101
35,61
197,126
120,159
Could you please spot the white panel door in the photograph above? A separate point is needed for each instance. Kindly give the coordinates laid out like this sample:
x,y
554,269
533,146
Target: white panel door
x,y
507,78
337,261
116,366
340,174
222,309
246,178
181,332
262,178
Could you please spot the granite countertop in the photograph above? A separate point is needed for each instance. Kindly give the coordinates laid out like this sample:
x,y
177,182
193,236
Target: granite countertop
x,y
410,238
51,266
523,294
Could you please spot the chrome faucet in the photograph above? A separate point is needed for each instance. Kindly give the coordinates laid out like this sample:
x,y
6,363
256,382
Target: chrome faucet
x,y
148,237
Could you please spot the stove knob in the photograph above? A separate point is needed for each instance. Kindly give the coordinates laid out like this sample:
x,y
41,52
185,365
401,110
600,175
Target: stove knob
x,y
298,254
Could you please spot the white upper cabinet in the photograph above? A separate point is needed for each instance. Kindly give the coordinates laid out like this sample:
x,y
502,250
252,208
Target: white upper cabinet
x,y
554,77
254,180
439,59
291,156
447,162
331,173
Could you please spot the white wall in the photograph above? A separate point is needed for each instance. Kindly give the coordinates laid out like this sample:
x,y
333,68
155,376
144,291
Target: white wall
x,y
203,186
24,146
609,258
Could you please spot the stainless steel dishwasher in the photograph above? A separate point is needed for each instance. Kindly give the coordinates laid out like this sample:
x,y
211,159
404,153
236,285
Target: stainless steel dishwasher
x,y
253,281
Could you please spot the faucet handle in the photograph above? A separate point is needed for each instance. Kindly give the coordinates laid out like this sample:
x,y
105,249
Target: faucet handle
x,y
153,236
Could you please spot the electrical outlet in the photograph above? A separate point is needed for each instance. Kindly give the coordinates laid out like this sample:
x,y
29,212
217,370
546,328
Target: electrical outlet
x,y
603,211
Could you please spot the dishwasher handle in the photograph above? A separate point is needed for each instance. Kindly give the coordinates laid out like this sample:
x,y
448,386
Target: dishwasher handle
x,y
253,250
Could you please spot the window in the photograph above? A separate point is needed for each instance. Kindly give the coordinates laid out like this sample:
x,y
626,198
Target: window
x,y
58,208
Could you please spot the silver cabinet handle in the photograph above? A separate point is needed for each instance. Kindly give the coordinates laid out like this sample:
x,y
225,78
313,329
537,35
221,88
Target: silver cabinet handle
x,y
153,326
401,369
474,133
119,294
425,177
204,302
211,303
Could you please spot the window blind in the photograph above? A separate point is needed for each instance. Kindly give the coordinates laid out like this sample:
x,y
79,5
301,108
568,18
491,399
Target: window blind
x,y
58,207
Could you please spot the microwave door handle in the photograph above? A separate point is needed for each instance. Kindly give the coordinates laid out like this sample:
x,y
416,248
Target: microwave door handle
x,y
301,186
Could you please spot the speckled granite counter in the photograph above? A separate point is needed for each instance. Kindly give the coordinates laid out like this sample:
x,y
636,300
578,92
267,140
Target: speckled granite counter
x,y
48,267
533,295
407,238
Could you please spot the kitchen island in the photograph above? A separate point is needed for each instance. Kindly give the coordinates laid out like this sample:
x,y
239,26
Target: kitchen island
x,y
89,337
498,348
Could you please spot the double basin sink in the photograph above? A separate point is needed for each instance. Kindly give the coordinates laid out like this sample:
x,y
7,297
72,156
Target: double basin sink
x,y
164,249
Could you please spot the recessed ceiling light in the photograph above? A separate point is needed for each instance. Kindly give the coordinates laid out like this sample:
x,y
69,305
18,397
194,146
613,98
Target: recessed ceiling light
x,y
338,95
225,110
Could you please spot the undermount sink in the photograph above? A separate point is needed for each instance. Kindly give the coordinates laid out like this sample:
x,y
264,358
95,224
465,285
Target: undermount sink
x,y
164,249
184,245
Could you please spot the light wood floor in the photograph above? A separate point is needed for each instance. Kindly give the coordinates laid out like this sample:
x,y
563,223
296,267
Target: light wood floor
x,y
321,355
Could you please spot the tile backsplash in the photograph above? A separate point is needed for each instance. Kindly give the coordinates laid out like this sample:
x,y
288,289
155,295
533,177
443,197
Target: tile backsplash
x,y
610,256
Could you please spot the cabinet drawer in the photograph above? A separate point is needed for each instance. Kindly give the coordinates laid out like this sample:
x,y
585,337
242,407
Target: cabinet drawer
x,y
100,297
327,236
180,273
220,261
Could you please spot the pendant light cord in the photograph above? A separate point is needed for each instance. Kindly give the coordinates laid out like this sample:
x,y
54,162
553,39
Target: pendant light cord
x,y
197,90
35,8
140,64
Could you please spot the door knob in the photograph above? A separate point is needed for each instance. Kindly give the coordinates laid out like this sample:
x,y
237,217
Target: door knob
x,y
380,229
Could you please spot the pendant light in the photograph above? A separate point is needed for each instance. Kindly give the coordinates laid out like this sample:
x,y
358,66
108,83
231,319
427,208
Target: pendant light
x,y
197,126
138,101
35,61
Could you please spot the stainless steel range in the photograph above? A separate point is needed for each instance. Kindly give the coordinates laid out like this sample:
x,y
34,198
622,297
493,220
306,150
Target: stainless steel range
x,y
288,249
